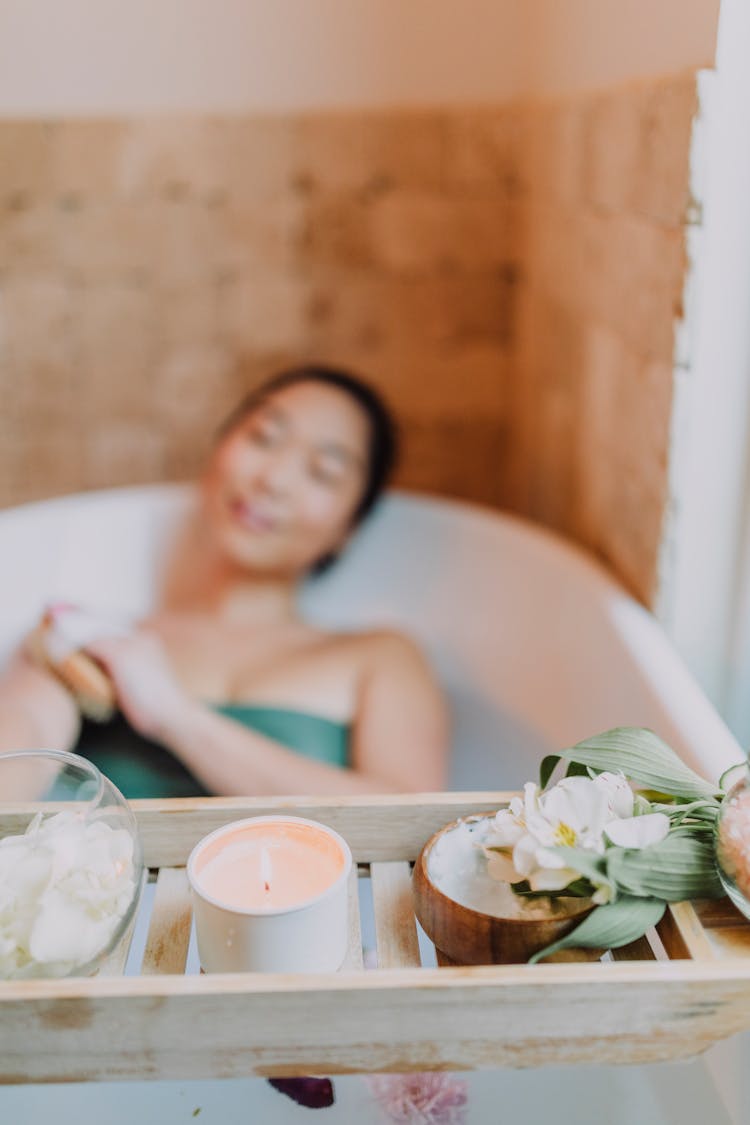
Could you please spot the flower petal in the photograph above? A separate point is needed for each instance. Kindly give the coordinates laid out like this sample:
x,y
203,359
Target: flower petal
x,y
579,803
546,880
618,792
505,830
64,885
549,859
501,867
638,831
531,799
525,856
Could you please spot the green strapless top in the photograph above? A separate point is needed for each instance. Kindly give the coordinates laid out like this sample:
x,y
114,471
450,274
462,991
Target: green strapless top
x,y
142,768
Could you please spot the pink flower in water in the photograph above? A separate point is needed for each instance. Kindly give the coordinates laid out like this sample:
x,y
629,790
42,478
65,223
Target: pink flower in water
x,y
421,1099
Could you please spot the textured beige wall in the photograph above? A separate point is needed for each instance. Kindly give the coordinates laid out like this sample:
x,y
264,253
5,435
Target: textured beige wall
x,y
509,277
151,269
604,264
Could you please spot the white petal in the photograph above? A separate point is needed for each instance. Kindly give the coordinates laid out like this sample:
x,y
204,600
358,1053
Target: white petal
x,y
579,803
501,867
638,831
542,829
531,798
545,880
547,858
618,792
505,831
524,855
592,843
64,931
64,885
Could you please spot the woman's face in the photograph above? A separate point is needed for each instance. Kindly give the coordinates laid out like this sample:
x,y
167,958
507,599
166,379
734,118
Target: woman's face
x,y
282,486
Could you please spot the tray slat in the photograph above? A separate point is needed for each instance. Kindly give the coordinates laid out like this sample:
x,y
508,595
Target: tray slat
x,y
394,827
683,935
639,950
169,930
730,941
354,958
395,927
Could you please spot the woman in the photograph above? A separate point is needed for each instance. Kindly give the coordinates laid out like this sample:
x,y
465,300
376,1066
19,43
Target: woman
x,y
225,689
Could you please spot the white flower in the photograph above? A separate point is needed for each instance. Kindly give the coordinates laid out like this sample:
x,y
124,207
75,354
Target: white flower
x,y
64,886
573,813
638,831
579,812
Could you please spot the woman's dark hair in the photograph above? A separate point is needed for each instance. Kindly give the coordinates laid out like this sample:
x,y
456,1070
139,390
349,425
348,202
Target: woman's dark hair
x,y
383,446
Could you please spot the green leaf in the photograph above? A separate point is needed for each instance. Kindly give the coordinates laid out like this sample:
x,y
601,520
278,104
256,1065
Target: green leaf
x,y
677,868
726,776
575,769
644,758
580,888
547,768
695,814
692,828
657,798
609,927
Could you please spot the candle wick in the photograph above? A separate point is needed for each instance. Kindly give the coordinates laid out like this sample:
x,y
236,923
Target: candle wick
x,y
266,870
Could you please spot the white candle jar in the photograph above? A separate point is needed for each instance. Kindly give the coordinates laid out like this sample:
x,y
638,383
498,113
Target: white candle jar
x,y
270,894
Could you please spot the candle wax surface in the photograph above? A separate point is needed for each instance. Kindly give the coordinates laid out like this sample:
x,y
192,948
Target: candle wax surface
x,y
270,866
457,866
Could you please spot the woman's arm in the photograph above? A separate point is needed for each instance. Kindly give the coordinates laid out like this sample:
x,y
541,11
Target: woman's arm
x,y
401,729
36,711
399,737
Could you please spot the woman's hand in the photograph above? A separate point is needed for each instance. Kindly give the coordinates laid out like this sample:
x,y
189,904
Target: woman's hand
x,y
148,692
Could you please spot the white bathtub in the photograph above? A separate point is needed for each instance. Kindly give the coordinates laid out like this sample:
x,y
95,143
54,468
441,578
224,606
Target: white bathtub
x,y
536,644
537,647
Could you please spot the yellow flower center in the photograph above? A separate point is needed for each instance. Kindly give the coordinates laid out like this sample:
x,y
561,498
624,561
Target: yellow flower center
x,y
565,836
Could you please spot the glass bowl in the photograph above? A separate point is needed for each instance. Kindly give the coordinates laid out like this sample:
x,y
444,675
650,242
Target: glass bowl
x,y
732,837
71,865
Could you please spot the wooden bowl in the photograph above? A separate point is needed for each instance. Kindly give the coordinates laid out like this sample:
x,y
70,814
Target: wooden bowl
x,y
464,936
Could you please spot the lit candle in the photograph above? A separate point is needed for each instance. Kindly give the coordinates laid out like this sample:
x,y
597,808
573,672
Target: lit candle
x,y
270,894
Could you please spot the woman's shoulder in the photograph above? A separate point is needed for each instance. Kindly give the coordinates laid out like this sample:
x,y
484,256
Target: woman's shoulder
x,y
378,646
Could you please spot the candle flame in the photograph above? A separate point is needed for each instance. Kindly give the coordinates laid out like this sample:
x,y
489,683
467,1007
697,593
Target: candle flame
x,y
265,868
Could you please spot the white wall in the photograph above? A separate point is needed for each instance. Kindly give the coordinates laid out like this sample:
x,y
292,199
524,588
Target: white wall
x,y
92,57
577,45
708,599
105,57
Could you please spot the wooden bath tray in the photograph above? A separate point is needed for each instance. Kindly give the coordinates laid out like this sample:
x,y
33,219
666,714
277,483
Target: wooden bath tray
x,y
658,999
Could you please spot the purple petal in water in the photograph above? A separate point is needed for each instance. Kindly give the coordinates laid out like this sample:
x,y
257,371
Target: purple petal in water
x,y
313,1093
